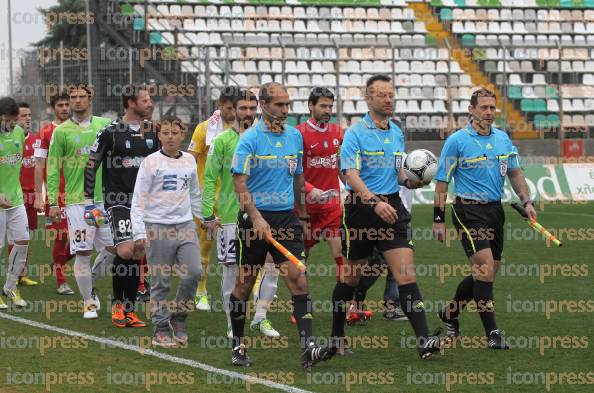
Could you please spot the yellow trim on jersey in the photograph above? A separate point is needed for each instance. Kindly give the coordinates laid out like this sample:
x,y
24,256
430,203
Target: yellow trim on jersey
x,y
452,167
477,159
373,153
246,163
291,156
465,230
265,157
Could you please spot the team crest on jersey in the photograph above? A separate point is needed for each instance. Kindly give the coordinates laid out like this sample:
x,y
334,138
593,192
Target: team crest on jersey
x,y
335,142
150,143
325,145
37,144
95,147
292,166
77,139
127,144
502,167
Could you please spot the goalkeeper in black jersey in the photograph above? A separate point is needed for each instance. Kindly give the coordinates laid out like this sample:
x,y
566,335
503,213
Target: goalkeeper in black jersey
x,y
119,150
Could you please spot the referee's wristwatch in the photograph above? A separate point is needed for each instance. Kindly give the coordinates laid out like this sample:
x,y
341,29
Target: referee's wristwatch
x,y
528,202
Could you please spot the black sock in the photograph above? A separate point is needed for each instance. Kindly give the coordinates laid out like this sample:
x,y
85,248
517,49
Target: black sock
x,y
131,284
365,283
237,313
464,293
412,305
342,294
118,277
302,313
483,296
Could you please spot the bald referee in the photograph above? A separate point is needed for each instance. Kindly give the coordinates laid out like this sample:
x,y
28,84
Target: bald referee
x,y
268,179
478,158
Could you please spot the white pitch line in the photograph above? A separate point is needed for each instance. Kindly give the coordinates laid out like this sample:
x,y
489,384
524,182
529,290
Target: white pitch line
x,y
159,355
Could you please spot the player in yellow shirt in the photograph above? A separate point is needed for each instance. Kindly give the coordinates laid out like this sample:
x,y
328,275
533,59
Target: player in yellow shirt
x,y
204,134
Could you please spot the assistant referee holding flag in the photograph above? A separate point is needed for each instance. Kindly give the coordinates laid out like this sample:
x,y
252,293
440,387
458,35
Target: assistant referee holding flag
x,y
478,157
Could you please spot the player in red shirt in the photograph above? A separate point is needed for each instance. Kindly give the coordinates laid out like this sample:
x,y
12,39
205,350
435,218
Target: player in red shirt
x,y
321,169
56,231
24,121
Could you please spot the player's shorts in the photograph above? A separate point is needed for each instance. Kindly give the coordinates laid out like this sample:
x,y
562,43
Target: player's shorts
x,y
226,250
84,237
13,225
285,228
120,223
363,229
29,198
479,225
323,225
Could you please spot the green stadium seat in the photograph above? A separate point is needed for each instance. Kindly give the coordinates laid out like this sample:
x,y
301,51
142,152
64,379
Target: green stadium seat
x,y
436,3
526,105
553,120
589,3
430,40
127,9
554,3
539,105
566,3
446,14
468,40
542,3
155,38
540,121
514,92
551,92
578,3
460,3
293,120
139,24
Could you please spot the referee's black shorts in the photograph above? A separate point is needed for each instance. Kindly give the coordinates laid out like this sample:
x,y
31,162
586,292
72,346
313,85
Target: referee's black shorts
x,y
363,229
286,230
479,225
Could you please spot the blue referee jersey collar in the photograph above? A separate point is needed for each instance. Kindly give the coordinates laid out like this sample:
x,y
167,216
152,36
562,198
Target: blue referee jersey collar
x,y
472,131
369,123
262,126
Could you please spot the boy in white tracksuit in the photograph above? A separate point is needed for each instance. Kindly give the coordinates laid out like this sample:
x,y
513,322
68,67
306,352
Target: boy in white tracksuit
x,y
166,195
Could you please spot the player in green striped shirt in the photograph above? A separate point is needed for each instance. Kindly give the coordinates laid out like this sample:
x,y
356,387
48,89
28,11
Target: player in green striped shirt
x,y
13,217
218,167
69,149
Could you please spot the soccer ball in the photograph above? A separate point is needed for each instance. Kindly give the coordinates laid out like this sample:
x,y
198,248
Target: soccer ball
x,y
420,164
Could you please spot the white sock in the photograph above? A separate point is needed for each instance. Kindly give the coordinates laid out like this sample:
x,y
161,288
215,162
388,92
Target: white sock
x,y
266,291
82,274
230,272
101,265
16,262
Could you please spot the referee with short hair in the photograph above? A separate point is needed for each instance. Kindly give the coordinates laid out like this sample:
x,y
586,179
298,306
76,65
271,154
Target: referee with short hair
x,y
478,157
268,178
374,215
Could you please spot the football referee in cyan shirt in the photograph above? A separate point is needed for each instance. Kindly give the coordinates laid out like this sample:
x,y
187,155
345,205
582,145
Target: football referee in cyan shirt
x,y
477,158
374,216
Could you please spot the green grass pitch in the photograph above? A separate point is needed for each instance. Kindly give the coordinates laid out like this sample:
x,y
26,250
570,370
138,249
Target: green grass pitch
x,y
543,301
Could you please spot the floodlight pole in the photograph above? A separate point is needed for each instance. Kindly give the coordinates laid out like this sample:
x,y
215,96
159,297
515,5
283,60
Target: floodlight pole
x,y
9,14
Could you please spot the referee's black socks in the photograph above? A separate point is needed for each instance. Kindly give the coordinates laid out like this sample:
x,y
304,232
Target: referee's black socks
x,y
412,305
303,315
342,294
464,293
237,313
483,296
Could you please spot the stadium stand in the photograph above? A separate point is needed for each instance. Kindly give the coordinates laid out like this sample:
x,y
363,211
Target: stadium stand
x,y
538,55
